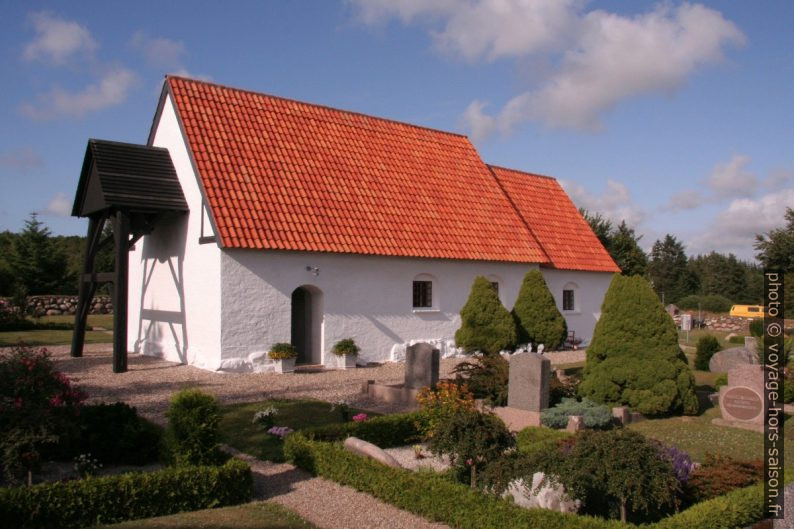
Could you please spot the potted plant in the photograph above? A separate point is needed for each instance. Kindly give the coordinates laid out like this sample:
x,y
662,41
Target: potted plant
x,y
346,352
283,356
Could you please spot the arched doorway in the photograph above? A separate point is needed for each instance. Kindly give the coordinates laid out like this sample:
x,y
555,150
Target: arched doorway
x,y
307,324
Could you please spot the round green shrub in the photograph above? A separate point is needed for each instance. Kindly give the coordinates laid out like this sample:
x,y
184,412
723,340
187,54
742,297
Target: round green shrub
x,y
471,439
346,347
706,347
634,358
486,325
282,351
736,339
757,327
721,380
709,303
537,318
596,416
192,434
616,467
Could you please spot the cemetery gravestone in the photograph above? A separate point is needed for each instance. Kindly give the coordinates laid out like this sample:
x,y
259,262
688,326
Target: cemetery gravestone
x,y
528,382
741,400
421,366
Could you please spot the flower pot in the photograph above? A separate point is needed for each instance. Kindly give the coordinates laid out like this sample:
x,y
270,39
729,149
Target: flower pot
x,y
346,361
284,365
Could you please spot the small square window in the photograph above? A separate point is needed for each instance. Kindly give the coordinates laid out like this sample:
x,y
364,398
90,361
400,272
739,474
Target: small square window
x,y
495,285
423,294
568,300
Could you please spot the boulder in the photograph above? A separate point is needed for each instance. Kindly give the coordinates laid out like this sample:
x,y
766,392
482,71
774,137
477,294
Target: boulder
x,y
724,361
551,497
363,448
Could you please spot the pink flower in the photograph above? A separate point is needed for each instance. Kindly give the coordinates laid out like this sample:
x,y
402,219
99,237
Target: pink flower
x,y
361,417
470,461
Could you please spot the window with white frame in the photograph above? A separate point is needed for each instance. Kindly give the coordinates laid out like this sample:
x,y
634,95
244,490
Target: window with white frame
x,y
423,294
569,301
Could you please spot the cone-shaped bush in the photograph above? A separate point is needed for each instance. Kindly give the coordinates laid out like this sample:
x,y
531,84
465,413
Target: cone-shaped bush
x,y
485,324
537,319
634,358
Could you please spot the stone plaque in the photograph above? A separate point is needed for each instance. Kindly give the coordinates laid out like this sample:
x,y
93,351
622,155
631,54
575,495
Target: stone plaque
x,y
741,403
528,382
421,365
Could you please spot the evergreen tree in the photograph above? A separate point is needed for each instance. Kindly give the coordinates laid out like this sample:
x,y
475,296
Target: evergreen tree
x,y
634,358
486,325
601,226
625,249
38,264
667,270
776,251
537,318
622,243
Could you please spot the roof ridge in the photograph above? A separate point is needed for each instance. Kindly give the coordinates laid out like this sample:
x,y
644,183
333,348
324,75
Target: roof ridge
x,y
490,165
318,105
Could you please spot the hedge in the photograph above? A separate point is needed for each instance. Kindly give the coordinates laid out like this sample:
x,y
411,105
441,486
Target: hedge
x,y
456,505
111,499
385,431
429,496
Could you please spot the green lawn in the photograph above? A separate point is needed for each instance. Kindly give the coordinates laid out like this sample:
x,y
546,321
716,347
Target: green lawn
x,y
695,334
698,436
60,337
238,431
258,515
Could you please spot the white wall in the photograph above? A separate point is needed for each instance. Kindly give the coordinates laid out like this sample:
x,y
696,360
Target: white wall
x,y
368,298
174,297
589,288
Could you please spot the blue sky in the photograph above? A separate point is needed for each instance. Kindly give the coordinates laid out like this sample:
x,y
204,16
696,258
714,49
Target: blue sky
x,y
677,117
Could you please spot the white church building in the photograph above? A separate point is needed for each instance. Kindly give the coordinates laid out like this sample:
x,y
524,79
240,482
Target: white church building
x,y
309,224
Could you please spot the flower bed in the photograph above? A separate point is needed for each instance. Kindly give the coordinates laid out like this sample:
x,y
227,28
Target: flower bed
x,y
455,504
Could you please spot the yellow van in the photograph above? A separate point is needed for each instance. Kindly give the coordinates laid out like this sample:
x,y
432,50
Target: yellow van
x,y
748,311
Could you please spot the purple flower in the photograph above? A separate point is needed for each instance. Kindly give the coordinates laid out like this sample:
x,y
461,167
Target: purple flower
x,y
680,461
280,431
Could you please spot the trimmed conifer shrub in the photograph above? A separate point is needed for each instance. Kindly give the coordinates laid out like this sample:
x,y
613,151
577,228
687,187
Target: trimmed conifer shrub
x,y
634,358
706,347
485,324
537,318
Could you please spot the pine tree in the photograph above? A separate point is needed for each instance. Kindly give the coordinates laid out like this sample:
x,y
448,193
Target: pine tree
x,y
625,249
634,358
486,325
667,270
537,318
37,263
776,251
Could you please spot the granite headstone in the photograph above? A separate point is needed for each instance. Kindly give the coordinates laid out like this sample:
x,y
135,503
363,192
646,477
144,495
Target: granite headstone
x,y
421,365
528,382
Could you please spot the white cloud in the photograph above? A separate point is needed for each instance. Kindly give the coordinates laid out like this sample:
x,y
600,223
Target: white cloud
x,y
60,206
159,51
601,58
25,160
732,179
734,229
615,203
57,40
685,200
111,89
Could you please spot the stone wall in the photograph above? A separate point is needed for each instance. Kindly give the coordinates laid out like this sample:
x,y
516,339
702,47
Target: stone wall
x,y
719,322
55,305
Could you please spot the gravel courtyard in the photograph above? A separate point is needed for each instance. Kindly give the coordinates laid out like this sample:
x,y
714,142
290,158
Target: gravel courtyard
x,y
149,382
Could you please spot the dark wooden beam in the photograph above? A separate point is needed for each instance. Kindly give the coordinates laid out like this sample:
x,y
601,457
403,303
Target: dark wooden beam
x,y
86,289
121,232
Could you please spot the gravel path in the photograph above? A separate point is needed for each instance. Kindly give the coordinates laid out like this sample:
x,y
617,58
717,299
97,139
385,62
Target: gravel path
x,y
149,383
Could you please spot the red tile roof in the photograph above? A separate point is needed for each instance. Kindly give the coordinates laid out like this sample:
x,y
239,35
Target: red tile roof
x,y
281,174
554,220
